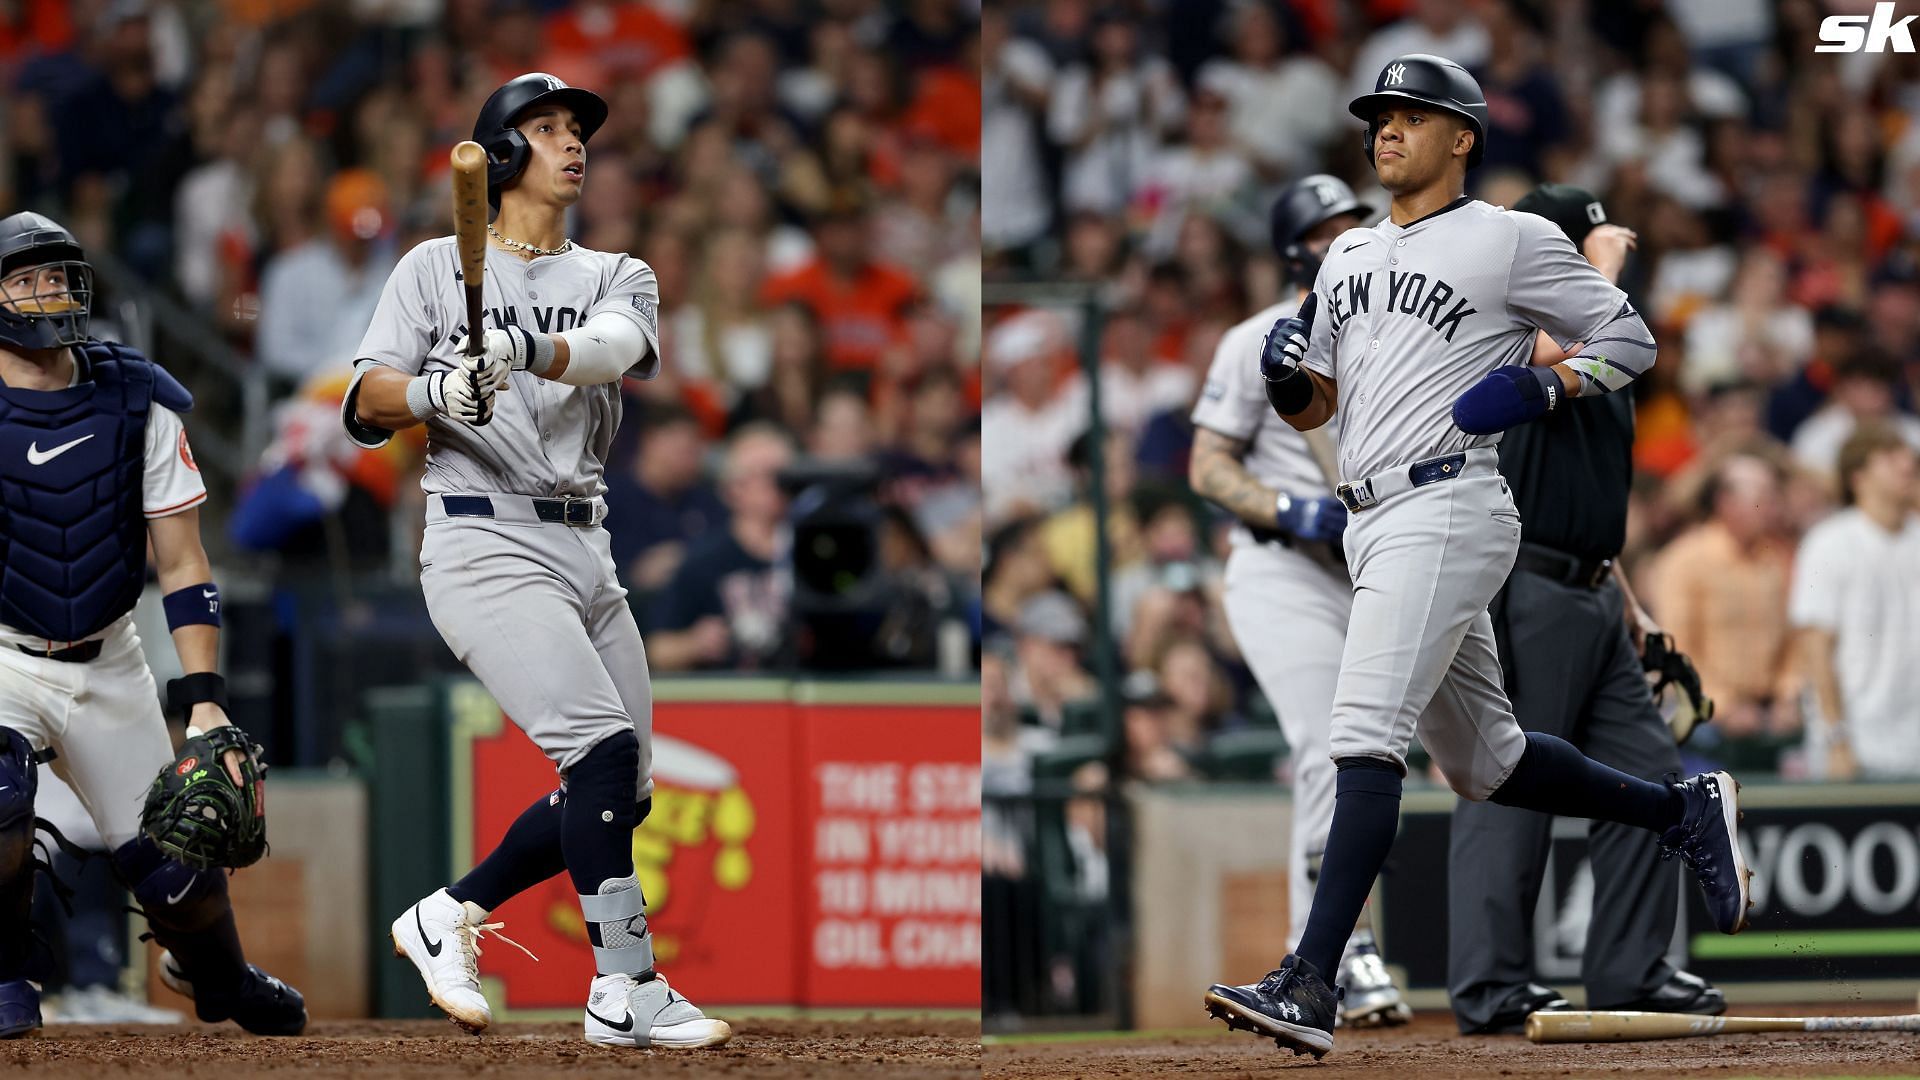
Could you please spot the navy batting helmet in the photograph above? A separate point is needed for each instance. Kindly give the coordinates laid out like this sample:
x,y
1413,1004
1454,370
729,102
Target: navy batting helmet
x,y
1424,79
1308,202
41,313
507,149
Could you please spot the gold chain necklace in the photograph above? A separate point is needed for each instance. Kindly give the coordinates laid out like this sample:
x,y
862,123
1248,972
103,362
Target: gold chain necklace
x,y
522,245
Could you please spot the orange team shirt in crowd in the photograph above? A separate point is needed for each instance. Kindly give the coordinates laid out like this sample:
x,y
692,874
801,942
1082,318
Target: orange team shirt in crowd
x,y
859,317
630,38
1726,607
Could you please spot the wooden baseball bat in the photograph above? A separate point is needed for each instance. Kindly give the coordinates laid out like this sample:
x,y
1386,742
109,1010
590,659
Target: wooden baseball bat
x,y
470,236
1582,1027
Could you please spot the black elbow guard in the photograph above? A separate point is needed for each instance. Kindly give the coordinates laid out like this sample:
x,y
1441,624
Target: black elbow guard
x,y
1291,395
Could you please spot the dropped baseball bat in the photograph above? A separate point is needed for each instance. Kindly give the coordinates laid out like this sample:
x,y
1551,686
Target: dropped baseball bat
x,y
1585,1027
470,235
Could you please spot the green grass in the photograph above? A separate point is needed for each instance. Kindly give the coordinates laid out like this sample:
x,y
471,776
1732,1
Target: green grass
x,y
1807,943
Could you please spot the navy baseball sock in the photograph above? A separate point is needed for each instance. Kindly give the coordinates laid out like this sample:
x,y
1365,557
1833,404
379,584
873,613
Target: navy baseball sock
x,y
529,854
597,834
1555,778
1366,814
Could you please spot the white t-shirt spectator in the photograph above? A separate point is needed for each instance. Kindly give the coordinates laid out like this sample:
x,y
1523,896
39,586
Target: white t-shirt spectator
x,y
1133,111
1314,110
1717,337
314,308
1817,442
1861,583
1015,204
1128,400
1186,180
1024,451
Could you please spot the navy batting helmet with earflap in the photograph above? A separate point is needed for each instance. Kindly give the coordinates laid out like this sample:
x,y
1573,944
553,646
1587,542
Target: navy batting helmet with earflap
x,y
1423,79
37,317
507,149
1308,202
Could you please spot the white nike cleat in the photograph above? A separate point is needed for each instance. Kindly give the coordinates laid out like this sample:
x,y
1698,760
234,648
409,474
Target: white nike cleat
x,y
622,1011
441,936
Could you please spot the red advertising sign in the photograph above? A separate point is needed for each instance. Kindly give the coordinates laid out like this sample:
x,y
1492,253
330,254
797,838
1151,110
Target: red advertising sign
x,y
891,794
812,854
715,860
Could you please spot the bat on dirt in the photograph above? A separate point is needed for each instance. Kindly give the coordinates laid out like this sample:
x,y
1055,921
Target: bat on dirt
x,y
470,236
1584,1027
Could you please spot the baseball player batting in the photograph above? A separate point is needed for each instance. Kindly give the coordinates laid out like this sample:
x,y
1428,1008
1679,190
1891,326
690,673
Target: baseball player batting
x,y
1286,558
515,566
1420,329
94,468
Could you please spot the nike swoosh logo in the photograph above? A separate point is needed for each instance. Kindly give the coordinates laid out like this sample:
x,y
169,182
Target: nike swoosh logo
x,y
36,456
208,593
624,1025
1350,247
177,897
433,947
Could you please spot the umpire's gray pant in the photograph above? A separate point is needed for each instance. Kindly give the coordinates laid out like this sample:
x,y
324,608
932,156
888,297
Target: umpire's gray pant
x,y
1574,674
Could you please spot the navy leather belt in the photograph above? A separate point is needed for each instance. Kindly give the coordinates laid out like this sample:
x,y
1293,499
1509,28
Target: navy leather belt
x,y
72,654
576,512
1360,495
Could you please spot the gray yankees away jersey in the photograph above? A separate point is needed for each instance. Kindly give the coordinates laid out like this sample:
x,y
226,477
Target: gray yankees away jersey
x,y
1234,403
546,438
1411,316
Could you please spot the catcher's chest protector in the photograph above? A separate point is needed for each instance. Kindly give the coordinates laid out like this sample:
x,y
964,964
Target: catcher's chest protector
x,y
73,549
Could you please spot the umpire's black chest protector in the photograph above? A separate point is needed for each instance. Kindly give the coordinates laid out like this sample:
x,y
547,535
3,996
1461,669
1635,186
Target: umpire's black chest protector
x,y
73,547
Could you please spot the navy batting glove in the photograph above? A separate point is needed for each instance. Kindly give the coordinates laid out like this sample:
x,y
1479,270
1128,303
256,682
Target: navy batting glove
x,y
1286,343
1322,519
1506,397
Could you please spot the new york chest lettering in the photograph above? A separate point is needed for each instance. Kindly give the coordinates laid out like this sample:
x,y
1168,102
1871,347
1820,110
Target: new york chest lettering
x,y
1408,293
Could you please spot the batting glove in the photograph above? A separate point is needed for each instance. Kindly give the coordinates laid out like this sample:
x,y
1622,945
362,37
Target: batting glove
x,y
460,395
1322,519
1506,397
520,349
1286,343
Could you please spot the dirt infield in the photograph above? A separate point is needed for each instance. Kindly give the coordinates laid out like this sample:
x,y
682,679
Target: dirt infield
x,y
377,1050
1431,1049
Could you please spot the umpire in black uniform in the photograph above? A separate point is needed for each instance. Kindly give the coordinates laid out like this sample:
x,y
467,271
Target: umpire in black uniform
x,y
1572,670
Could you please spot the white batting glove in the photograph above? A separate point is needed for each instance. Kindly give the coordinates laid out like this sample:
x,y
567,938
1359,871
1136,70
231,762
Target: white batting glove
x,y
489,372
520,349
458,395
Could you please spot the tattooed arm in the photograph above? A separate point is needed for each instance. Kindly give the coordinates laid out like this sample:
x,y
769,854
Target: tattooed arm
x,y
1218,475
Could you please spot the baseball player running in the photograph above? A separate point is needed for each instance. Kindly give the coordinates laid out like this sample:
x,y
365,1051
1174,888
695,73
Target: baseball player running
x,y
515,566
1420,328
94,467
1571,670
1286,558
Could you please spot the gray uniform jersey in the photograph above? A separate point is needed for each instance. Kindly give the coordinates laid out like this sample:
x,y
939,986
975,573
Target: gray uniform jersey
x,y
1234,403
546,438
1412,315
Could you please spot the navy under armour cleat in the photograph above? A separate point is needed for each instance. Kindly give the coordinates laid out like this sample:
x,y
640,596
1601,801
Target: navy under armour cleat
x,y
1293,1006
260,1003
1708,839
19,1008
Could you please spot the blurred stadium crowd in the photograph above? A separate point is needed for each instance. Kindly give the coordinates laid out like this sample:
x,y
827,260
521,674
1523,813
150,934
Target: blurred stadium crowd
x,y
803,176
1135,148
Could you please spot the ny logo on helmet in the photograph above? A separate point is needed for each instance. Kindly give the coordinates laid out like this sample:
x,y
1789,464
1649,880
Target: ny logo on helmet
x,y
1396,74
552,83
1326,191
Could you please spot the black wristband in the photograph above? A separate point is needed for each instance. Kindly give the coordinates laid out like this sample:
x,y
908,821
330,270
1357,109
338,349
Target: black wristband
x,y
1291,395
187,691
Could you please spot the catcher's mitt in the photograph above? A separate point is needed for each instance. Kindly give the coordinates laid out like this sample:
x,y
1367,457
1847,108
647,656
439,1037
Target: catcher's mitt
x,y
197,815
1669,666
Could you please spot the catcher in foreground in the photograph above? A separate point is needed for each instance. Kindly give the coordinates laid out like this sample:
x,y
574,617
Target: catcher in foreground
x,y
94,465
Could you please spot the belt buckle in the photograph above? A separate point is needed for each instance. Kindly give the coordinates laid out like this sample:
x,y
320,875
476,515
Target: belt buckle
x,y
568,517
1355,495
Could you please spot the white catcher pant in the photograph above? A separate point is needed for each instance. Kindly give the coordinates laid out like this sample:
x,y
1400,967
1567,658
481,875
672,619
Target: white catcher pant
x,y
1289,615
1420,654
102,718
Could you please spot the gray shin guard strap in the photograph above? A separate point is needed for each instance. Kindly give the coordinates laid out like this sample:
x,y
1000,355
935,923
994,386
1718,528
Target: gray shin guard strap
x,y
619,912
